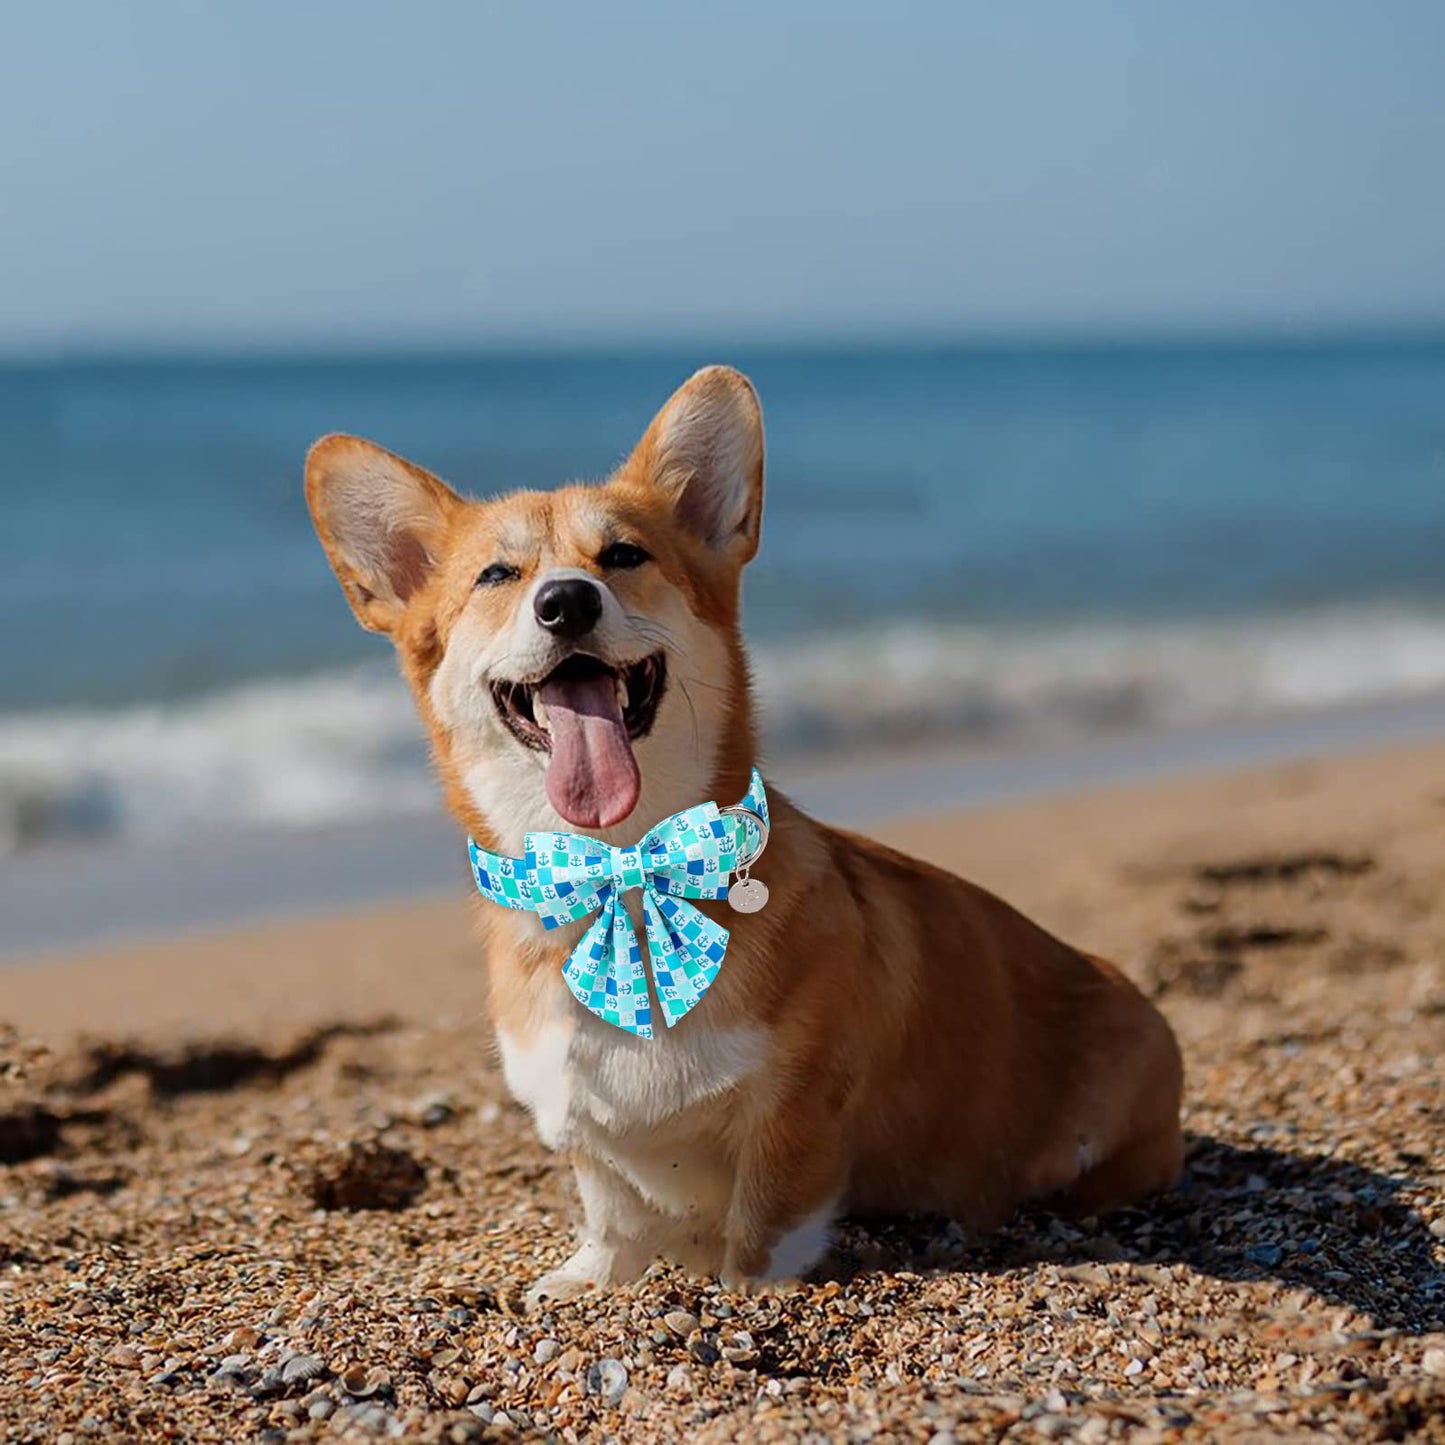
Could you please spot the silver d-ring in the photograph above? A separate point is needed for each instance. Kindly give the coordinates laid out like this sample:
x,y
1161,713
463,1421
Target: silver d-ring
x,y
737,810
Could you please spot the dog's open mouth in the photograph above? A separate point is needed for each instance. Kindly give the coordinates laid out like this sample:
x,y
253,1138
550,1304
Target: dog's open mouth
x,y
586,714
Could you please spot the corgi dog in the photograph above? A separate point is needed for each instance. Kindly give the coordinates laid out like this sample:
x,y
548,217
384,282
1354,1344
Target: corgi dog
x,y
882,1038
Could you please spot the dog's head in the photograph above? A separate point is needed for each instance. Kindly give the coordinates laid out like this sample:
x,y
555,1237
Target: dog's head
x,y
574,653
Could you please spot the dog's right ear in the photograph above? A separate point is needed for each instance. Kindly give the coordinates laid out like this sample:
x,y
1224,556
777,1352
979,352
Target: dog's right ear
x,y
704,451
381,521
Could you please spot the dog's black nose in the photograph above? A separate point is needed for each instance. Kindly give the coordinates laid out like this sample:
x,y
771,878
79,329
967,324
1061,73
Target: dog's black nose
x,y
568,607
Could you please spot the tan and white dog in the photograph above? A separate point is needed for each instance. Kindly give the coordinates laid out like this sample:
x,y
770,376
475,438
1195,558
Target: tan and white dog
x,y
884,1037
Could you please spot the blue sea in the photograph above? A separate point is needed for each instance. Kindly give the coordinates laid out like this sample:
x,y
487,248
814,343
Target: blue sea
x,y
982,544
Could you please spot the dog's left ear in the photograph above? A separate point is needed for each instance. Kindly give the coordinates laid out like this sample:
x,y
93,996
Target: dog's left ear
x,y
704,449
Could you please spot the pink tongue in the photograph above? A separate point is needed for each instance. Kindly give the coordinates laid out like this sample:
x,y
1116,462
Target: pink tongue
x,y
592,779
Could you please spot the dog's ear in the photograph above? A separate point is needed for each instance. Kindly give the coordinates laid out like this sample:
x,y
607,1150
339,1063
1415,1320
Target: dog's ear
x,y
704,449
381,521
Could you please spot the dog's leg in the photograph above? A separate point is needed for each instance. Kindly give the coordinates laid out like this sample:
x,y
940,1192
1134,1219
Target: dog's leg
x,y
621,1235
1145,1165
786,1195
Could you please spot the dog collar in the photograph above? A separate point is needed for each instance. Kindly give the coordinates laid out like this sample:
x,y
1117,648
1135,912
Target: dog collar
x,y
565,877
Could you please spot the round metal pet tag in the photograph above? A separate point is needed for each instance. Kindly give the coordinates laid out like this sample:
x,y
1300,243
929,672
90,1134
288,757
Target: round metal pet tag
x,y
748,895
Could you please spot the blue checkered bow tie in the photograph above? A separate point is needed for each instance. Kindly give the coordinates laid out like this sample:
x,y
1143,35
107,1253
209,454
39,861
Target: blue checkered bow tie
x,y
565,877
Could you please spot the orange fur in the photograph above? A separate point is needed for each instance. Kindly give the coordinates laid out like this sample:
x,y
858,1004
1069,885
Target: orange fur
x,y
883,1037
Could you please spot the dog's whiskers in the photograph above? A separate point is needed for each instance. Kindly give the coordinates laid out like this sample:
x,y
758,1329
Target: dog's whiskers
x,y
687,698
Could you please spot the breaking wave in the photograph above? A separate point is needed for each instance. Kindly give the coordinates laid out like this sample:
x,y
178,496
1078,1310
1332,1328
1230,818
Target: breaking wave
x,y
345,747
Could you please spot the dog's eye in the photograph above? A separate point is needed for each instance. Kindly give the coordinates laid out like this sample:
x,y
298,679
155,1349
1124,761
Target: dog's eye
x,y
497,573
624,554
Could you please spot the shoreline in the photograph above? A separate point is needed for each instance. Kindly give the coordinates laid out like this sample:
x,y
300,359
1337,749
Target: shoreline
x,y
54,900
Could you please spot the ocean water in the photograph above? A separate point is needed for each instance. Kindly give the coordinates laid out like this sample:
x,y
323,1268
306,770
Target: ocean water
x,y
998,544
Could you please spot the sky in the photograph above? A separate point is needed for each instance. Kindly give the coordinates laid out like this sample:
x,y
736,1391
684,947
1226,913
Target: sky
x,y
341,172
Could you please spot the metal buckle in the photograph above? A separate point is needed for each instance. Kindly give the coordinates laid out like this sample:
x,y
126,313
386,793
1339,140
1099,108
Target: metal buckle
x,y
738,810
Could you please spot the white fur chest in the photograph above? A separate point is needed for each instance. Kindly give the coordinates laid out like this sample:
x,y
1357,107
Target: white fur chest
x,y
583,1079
624,1085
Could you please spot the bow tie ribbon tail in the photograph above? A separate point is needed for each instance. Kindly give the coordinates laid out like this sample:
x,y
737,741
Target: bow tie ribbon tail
x,y
605,972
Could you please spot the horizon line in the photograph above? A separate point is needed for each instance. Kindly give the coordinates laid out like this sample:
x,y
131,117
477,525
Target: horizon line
x,y
1424,332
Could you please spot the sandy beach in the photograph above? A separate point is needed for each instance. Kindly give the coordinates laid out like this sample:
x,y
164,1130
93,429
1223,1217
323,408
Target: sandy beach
x,y
266,1184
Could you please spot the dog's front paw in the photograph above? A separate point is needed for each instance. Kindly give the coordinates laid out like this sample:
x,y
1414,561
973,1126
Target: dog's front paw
x,y
592,1267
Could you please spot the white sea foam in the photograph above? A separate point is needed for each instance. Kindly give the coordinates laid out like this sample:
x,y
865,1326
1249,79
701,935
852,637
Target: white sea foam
x,y
295,753
909,681
346,746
